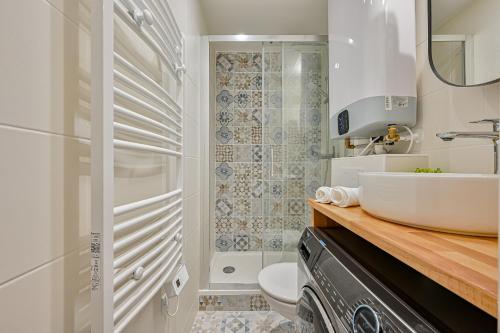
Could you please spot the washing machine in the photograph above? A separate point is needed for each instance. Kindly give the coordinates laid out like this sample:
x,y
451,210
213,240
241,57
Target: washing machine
x,y
348,285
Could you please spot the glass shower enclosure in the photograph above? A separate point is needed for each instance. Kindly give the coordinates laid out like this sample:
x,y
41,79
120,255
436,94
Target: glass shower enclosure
x,y
271,151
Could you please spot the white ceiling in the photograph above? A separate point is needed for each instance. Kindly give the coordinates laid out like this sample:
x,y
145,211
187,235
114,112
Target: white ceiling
x,y
444,10
266,17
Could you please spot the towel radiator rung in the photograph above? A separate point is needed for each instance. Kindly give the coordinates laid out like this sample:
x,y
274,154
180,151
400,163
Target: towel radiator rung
x,y
145,148
144,217
131,130
145,120
119,210
151,267
147,78
142,288
146,37
139,102
120,325
123,274
144,245
129,239
141,89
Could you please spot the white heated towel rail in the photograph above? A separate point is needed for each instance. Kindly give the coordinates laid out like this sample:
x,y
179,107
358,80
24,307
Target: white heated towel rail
x,y
135,247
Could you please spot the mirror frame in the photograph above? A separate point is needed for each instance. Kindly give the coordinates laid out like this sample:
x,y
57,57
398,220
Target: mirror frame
x,y
431,61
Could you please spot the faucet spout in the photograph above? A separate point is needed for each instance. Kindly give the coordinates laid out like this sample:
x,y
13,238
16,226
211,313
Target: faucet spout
x,y
449,136
493,135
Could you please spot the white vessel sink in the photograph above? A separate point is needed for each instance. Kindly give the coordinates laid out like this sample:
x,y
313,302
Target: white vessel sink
x,y
455,203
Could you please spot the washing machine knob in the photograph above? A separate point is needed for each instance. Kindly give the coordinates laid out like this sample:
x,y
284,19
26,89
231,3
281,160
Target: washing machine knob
x,y
365,320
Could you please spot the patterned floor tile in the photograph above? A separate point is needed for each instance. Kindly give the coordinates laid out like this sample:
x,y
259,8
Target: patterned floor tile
x,y
233,303
258,303
241,322
235,323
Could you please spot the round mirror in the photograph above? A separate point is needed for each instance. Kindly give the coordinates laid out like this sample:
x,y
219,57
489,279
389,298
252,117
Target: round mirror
x,y
464,41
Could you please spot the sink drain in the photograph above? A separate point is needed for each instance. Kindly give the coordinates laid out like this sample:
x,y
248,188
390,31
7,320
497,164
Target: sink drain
x,y
228,269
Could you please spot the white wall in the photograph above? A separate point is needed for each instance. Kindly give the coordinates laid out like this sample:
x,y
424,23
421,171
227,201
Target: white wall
x,y
444,108
266,17
44,172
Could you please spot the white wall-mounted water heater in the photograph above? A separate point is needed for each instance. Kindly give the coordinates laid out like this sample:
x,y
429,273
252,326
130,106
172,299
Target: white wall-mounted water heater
x,y
372,66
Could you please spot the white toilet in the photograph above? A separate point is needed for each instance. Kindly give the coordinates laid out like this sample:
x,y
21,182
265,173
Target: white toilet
x,y
278,283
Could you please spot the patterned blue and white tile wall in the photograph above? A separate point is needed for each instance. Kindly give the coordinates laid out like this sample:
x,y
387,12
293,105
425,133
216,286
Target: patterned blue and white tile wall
x,y
268,136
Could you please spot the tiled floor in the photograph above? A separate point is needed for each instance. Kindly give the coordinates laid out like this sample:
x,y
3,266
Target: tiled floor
x,y
241,322
255,302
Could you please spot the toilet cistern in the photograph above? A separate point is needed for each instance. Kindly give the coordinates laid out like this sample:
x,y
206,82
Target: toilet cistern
x,y
493,135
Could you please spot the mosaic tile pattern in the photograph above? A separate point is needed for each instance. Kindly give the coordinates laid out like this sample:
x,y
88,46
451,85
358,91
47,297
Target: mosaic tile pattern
x,y
268,139
233,303
241,322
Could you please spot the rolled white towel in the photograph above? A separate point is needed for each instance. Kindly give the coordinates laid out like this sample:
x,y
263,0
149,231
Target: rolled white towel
x,y
324,194
345,196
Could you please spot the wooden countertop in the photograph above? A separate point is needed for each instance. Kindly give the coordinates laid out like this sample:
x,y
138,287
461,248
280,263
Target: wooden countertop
x,y
465,265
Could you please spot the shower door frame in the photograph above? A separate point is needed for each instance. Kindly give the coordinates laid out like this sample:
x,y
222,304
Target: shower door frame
x,y
206,143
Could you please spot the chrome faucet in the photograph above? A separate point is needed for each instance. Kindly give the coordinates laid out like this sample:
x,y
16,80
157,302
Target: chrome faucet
x,y
493,135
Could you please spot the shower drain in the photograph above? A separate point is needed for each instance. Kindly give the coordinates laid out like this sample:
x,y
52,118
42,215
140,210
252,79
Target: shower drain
x,y
228,269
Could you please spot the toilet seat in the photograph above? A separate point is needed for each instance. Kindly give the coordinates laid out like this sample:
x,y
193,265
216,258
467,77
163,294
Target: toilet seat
x,y
279,281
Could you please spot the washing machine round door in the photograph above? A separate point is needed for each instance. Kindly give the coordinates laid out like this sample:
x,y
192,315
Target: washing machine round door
x,y
311,316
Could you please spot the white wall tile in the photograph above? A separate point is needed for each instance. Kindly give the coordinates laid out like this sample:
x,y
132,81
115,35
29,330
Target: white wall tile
x,y
434,116
191,138
191,176
470,159
45,198
421,19
191,102
45,70
491,95
427,81
77,11
53,298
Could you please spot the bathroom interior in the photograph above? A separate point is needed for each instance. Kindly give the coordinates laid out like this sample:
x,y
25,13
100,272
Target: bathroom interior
x,y
315,166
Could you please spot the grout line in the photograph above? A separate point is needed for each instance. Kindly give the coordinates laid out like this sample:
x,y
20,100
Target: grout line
x,y
422,42
419,97
65,16
42,132
37,268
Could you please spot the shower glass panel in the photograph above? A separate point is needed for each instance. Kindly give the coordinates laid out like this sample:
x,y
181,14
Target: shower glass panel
x,y
295,142
270,152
